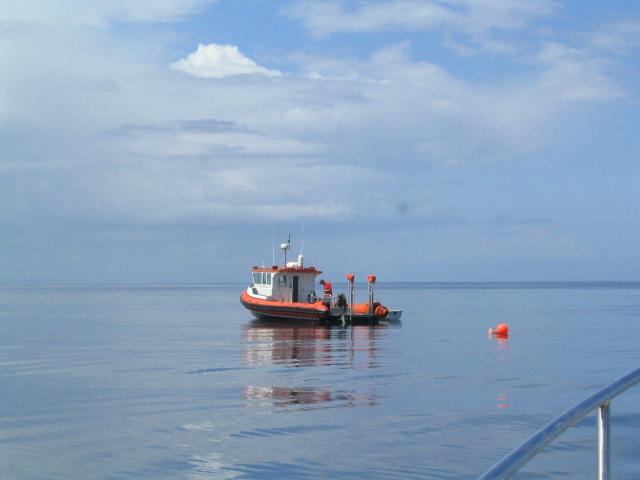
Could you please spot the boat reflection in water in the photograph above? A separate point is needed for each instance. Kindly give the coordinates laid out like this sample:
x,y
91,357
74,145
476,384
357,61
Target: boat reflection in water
x,y
304,347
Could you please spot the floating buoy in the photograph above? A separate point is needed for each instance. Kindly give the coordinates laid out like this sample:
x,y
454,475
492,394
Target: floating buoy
x,y
502,329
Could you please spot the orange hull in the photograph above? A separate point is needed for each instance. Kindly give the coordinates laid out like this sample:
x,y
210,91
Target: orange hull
x,y
272,308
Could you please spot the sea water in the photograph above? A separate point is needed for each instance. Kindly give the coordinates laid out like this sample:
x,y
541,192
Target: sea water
x,y
179,382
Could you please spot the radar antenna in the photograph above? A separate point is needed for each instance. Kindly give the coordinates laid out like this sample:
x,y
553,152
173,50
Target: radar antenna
x,y
285,247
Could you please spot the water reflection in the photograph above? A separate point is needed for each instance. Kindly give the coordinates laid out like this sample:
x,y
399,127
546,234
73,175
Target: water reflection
x,y
502,344
304,345
502,400
285,396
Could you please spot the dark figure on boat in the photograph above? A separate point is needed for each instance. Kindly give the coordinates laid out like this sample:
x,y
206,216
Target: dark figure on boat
x,y
341,301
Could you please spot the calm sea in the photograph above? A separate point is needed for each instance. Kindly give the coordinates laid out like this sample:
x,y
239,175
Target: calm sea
x,y
179,382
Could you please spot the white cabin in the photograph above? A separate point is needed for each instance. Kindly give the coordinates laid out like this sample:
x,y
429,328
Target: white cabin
x,y
292,283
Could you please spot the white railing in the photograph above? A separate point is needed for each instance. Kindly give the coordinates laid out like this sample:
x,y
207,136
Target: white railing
x,y
598,401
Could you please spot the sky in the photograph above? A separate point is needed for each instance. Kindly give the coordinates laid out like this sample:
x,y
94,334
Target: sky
x,y
182,141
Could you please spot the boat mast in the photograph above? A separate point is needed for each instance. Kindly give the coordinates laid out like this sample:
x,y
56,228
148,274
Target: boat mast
x,y
285,247
273,246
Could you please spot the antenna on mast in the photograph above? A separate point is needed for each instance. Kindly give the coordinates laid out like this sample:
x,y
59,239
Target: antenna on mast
x,y
302,243
285,247
273,245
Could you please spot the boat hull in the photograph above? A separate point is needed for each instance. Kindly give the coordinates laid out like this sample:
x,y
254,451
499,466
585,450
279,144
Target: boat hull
x,y
291,310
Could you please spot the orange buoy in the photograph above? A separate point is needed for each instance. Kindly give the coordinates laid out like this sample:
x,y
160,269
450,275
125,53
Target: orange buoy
x,y
381,311
502,329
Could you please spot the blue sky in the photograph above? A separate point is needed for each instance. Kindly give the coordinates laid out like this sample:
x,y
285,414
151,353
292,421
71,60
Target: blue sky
x,y
453,140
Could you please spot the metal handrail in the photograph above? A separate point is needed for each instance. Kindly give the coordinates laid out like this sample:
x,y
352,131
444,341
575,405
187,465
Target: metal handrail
x,y
599,400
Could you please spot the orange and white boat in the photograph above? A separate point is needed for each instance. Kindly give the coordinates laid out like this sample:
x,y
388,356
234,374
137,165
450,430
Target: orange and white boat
x,y
289,292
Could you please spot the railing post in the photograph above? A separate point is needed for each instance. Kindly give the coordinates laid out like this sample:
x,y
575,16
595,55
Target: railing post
x,y
604,447
599,401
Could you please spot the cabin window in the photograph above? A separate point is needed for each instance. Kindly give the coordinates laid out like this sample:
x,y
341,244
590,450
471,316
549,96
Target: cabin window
x,y
282,280
262,278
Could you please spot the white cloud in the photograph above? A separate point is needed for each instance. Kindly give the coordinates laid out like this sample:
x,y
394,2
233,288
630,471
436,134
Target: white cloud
x,y
218,61
174,191
576,74
98,14
476,19
620,37
416,112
